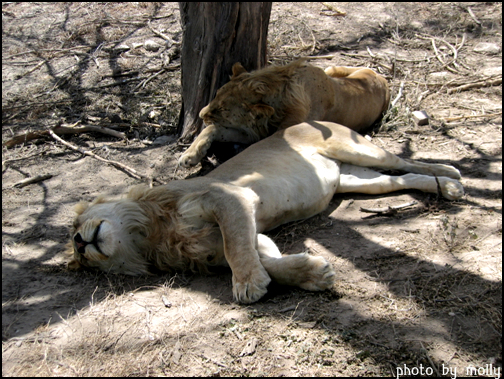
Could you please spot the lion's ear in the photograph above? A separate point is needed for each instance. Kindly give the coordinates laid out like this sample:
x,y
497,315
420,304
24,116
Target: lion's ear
x,y
259,87
237,70
263,109
80,207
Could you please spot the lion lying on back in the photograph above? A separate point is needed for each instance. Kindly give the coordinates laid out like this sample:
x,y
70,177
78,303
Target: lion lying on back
x,y
254,105
218,219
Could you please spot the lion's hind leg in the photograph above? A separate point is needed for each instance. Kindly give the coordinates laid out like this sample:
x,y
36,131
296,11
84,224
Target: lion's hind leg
x,y
340,71
301,270
364,180
350,147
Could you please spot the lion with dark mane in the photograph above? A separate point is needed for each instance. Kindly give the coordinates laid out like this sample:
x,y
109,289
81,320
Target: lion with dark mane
x,y
219,219
253,105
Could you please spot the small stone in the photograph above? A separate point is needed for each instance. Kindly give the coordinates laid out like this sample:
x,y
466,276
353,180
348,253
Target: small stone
x,y
249,348
154,113
492,71
439,77
421,118
167,303
151,45
122,47
487,48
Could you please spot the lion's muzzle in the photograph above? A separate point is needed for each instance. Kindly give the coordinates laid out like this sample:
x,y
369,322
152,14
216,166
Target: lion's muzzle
x,y
80,243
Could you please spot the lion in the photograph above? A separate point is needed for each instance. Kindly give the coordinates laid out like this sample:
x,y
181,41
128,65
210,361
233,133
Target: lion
x,y
253,105
220,218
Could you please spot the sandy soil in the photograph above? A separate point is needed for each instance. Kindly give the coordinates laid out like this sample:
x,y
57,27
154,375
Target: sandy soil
x,y
418,290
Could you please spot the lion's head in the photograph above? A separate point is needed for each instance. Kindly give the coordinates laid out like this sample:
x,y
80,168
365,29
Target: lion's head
x,y
253,101
146,231
110,236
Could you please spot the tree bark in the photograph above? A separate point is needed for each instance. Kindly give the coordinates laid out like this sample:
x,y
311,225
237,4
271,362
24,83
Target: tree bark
x,y
215,36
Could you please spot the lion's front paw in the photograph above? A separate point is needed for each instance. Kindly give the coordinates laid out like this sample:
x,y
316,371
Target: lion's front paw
x,y
189,159
252,288
319,274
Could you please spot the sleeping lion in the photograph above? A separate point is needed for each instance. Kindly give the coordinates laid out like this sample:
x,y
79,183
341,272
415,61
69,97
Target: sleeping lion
x,y
219,219
253,105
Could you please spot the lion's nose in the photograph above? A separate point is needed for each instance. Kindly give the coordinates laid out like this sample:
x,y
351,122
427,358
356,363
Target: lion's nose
x,y
80,243
78,238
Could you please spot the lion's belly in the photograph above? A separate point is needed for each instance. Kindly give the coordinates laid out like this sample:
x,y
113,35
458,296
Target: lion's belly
x,y
298,191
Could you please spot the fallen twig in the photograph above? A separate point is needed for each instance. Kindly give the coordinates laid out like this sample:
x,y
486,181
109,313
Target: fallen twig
x,y
399,94
481,84
451,299
454,60
438,54
321,56
119,165
369,52
334,9
471,116
52,103
473,16
38,51
430,360
7,161
32,69
147,80
433,42
353,55
163,36
391,210
60,130
35,179
126,81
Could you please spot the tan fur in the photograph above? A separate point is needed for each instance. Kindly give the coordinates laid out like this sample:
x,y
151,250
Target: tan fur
x,y
254,105
218,219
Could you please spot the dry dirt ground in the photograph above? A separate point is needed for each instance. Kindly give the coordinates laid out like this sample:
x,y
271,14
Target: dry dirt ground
x,y
418,290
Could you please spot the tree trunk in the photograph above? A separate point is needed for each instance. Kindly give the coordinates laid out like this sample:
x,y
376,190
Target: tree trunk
x,y
215,36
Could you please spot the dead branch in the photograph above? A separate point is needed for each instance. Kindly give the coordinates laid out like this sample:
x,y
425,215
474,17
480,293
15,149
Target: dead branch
x,y
163,36
391,210
369,52
61,130
456,83
38,51
429,358
447,119
336,11
321,57
35,179
147,80
486,83
380,57
473,16
438,54
32,69
7,161
126,81
52,103
119,165
454,51
436,51
399,94
462,42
